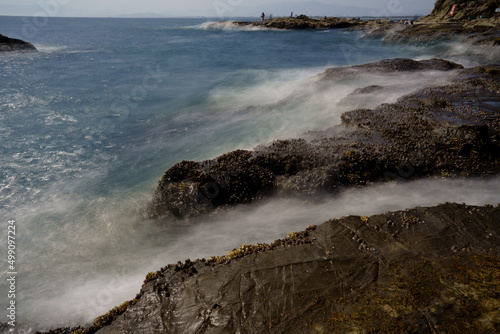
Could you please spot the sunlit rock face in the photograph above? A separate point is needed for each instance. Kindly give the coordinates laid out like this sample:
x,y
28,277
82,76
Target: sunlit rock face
x,y
461,10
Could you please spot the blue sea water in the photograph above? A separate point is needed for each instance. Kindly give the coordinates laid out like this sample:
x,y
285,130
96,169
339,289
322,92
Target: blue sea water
x,y
89,124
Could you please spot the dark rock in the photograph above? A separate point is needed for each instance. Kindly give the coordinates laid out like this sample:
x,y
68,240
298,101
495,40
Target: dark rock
x,y
15,45
444,131
191,188
420,270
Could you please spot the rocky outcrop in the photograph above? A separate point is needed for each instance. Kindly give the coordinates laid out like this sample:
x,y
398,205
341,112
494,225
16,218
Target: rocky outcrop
x,y
480,31
15,45
444,131
424,270
476,18
304,22
462,10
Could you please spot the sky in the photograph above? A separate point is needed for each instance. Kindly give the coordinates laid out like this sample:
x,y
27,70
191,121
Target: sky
x,y
214,8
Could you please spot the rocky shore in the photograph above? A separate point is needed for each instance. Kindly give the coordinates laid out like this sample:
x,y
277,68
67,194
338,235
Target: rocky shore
x,y
424,270
305,22
477,32
451,130
478,21
420,270
15,45
480,31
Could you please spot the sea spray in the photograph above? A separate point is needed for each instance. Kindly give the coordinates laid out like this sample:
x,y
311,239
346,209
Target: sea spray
x,y
89,288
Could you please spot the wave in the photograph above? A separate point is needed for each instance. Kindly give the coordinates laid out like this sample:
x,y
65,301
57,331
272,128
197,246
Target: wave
x,y
50,48
266,106
229,26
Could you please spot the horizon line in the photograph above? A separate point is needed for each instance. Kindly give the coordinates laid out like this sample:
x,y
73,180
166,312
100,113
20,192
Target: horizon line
x,y
138,16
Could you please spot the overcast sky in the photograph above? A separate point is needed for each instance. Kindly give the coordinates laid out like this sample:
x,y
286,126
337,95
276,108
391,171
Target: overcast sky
x,y
214,8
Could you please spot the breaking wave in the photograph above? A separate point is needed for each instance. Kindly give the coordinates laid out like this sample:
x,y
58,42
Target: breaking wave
x,y
230,26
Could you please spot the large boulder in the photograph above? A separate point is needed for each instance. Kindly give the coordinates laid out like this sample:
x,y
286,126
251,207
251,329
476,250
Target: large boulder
x,y
15,45
191,188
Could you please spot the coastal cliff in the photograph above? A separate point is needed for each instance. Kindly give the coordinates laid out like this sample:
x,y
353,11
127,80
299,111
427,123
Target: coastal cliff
x,y
15,45
477,21
461,10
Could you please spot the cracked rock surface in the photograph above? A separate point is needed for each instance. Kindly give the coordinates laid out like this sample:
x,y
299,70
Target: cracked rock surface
x,y
425,270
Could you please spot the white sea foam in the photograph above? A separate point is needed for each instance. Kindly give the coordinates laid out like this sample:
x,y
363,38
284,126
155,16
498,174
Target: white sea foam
x,y
50,48
82,284
471,55
230,26
287,103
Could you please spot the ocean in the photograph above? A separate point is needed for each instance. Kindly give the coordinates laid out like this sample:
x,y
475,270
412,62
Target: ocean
x,y
89,124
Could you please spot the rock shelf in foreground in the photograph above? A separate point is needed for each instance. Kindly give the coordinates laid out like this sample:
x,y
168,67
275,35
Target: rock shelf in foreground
x,y
421,270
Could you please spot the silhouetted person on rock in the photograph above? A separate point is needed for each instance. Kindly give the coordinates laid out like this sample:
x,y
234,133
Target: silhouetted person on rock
x,y
263,17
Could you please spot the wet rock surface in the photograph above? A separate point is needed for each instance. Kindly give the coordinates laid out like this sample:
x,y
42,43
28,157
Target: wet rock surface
x,y
422,270
15,45
449,131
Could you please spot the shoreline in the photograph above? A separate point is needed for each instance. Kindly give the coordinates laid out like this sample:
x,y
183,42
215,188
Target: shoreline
x,y
172,282
485,31
352,272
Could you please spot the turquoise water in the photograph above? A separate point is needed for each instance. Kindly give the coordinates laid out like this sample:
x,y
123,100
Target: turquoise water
x,y
89,124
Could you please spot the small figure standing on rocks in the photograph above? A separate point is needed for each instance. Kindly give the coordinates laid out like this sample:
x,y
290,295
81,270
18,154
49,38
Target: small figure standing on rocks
x,y
263,17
